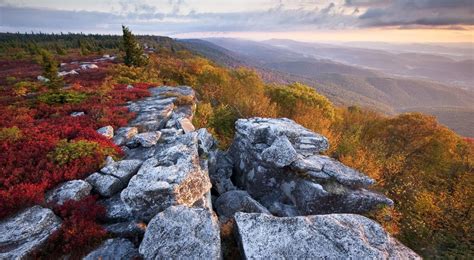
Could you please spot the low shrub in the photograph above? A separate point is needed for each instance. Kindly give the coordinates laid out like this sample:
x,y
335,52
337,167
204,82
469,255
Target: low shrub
x,y
10,134
62,97
67,151
23,87
79,230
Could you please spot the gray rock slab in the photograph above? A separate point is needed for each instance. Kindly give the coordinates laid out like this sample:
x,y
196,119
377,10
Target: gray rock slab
x,y
105,185
123,170
27,231
186,125
172,177
147,139
277,162
70,190
180,232
334,236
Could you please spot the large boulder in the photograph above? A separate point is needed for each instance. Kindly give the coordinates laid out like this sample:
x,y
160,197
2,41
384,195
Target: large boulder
x,y
104,184
180,232
26,232
115,209
111,249
173,176
70,190
277,161
334,236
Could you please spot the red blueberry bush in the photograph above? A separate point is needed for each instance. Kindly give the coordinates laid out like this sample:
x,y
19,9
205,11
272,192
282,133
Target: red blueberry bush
x,y
79,230
41,145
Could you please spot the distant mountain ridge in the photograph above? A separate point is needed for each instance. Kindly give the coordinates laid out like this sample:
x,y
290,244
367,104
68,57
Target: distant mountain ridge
x,y
343,84
407,63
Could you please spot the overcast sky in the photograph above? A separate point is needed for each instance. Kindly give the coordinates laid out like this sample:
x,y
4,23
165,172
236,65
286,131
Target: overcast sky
x,y
313,20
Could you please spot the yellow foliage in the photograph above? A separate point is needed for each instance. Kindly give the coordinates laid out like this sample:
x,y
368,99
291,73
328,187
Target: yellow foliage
x,y
67,151
10,134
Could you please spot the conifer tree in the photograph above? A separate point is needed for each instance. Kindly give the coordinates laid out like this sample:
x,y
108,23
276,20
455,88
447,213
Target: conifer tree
x,y
134,55
50,70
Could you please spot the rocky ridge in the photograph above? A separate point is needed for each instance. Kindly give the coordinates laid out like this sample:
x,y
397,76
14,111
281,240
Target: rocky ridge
x,y
161,200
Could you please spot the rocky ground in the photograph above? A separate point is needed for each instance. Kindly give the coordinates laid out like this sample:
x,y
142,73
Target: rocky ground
x,y
176,195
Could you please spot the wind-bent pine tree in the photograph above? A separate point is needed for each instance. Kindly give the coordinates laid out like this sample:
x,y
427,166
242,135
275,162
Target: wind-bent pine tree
x,y
134,55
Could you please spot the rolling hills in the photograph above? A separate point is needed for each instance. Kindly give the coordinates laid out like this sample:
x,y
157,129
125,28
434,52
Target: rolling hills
x,y
347,84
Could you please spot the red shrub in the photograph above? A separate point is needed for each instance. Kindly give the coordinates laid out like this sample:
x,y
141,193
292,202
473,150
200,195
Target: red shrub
x,y
38,143
79,230
26,170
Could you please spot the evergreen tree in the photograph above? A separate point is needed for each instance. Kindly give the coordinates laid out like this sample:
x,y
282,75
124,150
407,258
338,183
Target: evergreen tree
x,y
50,70
133,51
85,50
59,49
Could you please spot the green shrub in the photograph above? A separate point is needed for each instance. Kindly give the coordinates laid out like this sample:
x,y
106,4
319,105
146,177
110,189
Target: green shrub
x,y
203,115
52,98
50,70
67,151
222,121
10,133
23,87
129,75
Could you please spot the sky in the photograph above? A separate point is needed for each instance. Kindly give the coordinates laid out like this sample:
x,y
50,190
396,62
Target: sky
x,y
307,20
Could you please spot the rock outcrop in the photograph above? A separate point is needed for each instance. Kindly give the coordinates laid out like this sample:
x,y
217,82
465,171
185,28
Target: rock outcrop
x,y
27,231
333,236
114,176
180,232
70,190
277,162
173,176
160,199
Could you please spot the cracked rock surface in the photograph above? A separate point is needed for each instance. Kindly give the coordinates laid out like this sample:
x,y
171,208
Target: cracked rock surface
x,y
278,163
70,190
333,236
182,232
172,177
27,231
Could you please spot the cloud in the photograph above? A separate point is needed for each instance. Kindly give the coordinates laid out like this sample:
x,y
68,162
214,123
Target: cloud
x,y
273,19
180,16
412,13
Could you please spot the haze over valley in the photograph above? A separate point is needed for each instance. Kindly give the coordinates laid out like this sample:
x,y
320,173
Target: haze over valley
x,y
389,80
